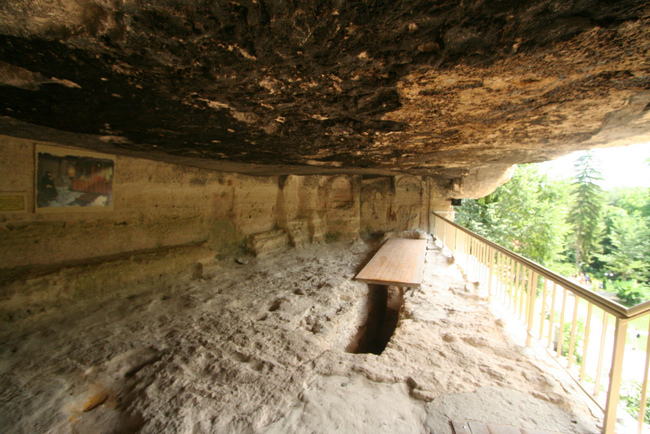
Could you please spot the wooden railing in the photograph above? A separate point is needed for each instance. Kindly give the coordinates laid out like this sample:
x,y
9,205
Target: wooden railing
x,y
542,299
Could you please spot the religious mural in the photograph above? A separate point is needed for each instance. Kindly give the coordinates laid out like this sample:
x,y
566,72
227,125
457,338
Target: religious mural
x,y
70,180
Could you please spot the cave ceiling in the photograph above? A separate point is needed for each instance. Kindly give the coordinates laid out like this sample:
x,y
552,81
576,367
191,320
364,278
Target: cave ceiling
x,y
440,88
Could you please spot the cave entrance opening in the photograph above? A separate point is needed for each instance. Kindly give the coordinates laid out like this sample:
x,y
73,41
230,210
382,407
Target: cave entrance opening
x,y
384,303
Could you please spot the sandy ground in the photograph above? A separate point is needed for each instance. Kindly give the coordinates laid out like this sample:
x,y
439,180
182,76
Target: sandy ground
x,y
261,347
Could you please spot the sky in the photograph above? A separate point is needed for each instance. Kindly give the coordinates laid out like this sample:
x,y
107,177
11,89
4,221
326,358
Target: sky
x,y
624,166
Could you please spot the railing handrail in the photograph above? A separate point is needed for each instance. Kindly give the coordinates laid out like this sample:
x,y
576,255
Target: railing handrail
x,y
639,309
616,309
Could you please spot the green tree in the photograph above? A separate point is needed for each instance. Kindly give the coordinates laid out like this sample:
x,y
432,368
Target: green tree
x,y
627,250
585,212
626,245
636,200
526,215
631,292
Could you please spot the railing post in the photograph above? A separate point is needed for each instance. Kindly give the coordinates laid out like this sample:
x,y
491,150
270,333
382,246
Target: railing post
x,y
601,351
551,323
453,245
523,309
585,345
484,265
542,316
572,335
464,242
499,282
491,272
613,393
443,231
532,290
471,251
510,281
644,388
477,255
524,290
513,296
560,338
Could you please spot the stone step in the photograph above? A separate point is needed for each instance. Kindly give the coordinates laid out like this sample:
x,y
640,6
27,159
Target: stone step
x,y
265,242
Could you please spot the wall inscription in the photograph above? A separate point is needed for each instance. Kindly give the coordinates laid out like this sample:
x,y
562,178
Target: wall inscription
x,y
12,202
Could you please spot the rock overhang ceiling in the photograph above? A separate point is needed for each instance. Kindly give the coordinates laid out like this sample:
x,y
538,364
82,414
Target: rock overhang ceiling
x,y
457,90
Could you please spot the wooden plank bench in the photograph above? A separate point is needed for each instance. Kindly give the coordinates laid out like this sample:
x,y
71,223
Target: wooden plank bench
x,y
399,262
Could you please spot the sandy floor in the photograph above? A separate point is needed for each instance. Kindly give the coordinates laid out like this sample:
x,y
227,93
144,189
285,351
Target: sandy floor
x,y
261,347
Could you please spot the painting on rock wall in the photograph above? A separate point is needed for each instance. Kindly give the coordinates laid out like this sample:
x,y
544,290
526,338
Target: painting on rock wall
x,y
73,180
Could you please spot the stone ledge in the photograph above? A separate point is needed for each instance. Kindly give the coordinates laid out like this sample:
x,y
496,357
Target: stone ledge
x,y
265,242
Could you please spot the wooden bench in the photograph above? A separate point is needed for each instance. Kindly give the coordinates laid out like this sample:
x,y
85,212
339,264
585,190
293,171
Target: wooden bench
x,y
399,262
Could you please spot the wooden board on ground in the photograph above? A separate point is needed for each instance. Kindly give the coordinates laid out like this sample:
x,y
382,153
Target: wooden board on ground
x,y
461,427
475,427
399,262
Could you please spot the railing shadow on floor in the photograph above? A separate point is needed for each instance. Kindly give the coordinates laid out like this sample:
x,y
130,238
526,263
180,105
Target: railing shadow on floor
x,y
572,322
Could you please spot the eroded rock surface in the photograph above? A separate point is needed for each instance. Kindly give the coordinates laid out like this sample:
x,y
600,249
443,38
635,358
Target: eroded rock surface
x,y
260,346
440,88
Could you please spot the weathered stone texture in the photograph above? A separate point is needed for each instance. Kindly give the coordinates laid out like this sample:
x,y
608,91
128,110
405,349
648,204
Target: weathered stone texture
x,y
438,89
160,205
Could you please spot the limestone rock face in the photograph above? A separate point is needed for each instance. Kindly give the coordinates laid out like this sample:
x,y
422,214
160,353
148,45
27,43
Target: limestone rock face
x,y
455,90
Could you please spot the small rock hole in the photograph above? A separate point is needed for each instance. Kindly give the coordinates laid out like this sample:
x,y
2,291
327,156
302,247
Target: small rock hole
x,y
244,358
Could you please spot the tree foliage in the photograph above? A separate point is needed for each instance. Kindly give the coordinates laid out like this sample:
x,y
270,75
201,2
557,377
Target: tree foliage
x,y
631,292
626,245
552,222
585,212
526,215
635,201
627,248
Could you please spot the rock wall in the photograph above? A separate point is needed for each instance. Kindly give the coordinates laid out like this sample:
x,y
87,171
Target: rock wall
x,y
155,205
401,203
159,205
